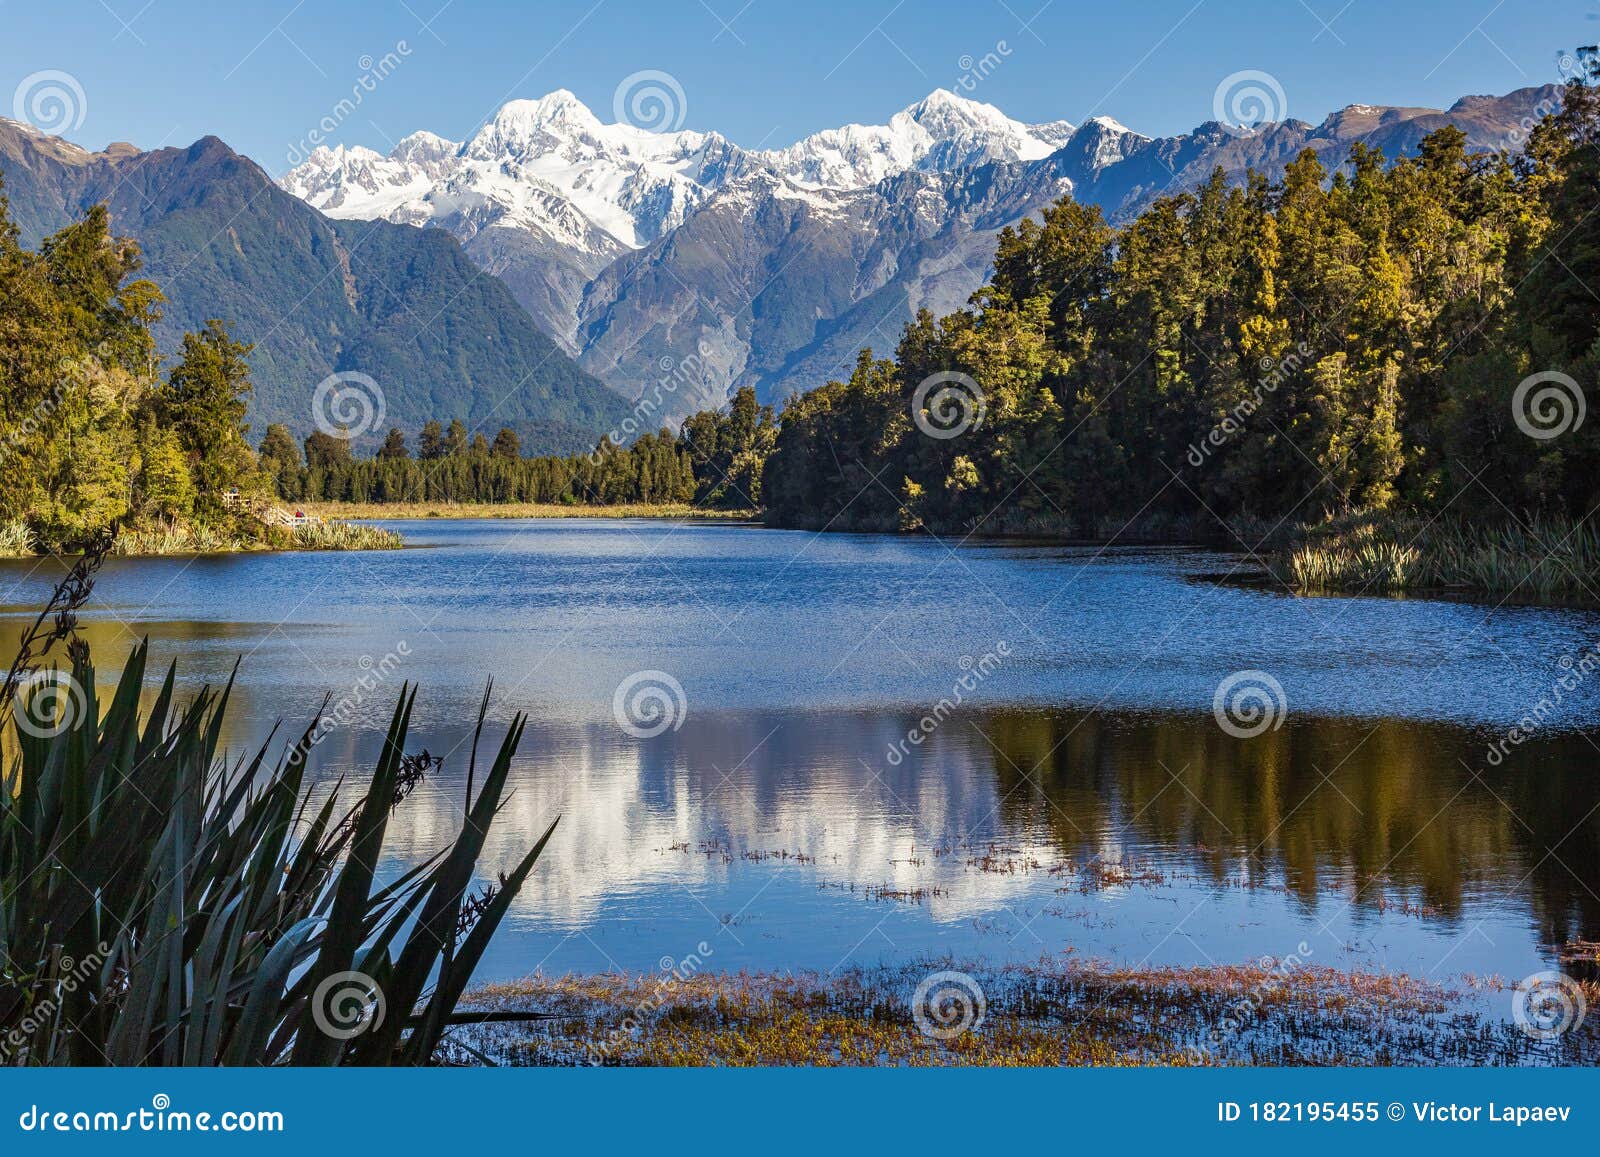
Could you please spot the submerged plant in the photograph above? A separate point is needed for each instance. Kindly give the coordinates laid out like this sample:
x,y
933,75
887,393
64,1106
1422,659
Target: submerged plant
x,y
160,905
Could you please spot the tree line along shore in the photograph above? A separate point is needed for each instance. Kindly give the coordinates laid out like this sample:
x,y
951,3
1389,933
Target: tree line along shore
x,y
1369,379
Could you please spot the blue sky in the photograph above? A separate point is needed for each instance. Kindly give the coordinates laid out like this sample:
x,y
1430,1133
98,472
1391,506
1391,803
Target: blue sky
x,y
262,75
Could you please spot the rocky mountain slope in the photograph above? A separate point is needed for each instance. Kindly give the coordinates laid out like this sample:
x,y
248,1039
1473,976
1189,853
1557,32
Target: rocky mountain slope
x,y
679,255
403,306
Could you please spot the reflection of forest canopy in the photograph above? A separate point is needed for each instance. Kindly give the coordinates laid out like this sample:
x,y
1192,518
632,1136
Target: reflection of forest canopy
x,y
1381,811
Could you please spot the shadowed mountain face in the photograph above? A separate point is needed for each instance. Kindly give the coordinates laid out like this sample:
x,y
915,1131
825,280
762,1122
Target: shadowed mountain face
x,y
403,306
681,257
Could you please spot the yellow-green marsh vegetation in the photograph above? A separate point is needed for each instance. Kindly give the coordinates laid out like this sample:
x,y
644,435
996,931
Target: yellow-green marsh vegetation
x,y
1058,1012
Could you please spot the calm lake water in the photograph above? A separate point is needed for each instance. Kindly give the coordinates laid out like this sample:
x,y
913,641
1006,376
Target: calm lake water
x,y
811,806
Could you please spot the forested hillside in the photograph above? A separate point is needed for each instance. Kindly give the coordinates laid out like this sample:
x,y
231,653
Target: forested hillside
x,y
405,307
1400,334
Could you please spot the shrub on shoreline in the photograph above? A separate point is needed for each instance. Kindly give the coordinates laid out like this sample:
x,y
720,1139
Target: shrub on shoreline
x,y
16,541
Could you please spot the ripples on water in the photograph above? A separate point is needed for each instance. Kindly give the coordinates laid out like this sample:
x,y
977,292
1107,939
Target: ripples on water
x,y
1081,798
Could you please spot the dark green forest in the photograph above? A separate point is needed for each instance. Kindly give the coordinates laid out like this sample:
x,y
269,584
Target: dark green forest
x,y
1281,350
95,434
714,461
1402,338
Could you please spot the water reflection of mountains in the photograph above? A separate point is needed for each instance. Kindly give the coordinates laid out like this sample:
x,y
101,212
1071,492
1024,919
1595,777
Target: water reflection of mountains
x,y
1385,812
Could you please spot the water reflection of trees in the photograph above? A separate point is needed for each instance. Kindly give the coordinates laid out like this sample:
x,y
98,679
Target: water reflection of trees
x,y
1383,810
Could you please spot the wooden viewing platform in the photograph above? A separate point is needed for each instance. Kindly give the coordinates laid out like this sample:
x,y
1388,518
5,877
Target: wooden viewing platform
x,y
267,512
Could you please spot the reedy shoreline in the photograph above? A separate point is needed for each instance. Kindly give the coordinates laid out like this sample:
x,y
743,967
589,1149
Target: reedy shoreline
x,y
409,511
190,538
1058,1012
1541,559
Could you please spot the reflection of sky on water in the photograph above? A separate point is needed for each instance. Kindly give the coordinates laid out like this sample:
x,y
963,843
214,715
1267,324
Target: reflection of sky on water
x,y
803,659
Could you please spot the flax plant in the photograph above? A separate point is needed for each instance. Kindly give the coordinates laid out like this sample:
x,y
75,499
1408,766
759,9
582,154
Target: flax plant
x,y
163,905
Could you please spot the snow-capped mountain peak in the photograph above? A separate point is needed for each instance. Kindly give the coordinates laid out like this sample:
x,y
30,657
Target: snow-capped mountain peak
x,y
939,132
944,116
550,166
426,150
548,187
524,128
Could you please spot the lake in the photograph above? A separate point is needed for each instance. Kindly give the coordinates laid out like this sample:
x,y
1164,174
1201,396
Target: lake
x,y
843,749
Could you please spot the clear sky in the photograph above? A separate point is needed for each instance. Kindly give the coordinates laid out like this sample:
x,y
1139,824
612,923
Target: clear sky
x,y
763,72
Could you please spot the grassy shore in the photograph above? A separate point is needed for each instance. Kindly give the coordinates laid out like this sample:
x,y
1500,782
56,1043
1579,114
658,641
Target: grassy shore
x,y
1535,560
1053,1013
185,538
411,510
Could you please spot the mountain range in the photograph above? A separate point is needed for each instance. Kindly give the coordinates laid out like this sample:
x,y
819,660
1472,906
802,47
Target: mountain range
x,y
678,255
316,296
552,268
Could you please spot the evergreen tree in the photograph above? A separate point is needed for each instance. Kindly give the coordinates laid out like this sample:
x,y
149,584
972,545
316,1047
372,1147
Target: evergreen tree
x,y
507,444
394,446
430,443
327,452
204,403
164,477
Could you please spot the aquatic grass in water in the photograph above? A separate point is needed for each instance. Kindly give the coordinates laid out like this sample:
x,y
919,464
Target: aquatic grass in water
x,y
1544,559
1051,1013
201,538
345,536
414,510
181,539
